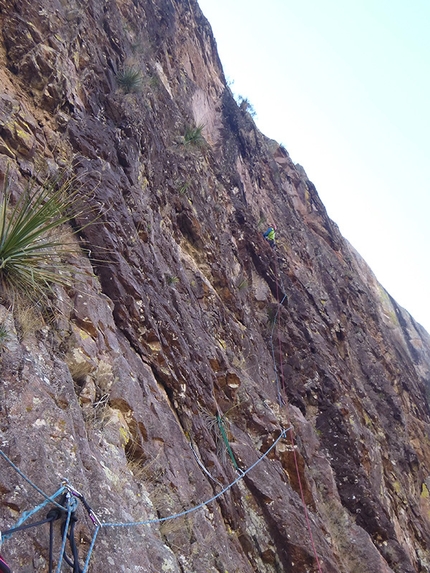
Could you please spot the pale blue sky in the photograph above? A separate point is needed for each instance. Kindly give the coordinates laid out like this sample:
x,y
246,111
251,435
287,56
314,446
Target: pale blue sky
x,y
345,86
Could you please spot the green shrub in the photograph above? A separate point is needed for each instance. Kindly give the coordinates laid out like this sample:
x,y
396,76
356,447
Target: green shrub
x,y
154,81
4,336
130,79
32,240
172,279
183,187
193,136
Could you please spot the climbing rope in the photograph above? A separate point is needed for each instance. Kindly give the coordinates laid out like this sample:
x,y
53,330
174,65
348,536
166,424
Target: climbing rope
x,y
210,500
277,379
203,467
280,383
73,496
33,485
54,514
4,567
70,497
70,509
27,514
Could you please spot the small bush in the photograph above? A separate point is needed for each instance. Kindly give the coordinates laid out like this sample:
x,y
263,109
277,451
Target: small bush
x,y
172,279
98,414
154,82
272,314
130,79
29,317
262,222
193,136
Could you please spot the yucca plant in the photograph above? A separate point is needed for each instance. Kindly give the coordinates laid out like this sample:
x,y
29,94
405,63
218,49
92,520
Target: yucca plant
x,y
130,79
218,426
172,279
4,336
193,136
32,244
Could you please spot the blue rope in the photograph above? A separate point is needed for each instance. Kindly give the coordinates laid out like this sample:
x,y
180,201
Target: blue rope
x,y
73,502
90,550
191,510
70,508
31,512
33,485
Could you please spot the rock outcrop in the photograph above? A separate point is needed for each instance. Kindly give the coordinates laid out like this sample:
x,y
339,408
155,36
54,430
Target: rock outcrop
x,y
186,345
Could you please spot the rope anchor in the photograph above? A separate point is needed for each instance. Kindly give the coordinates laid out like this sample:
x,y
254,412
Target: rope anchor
x,y
68,505
96,521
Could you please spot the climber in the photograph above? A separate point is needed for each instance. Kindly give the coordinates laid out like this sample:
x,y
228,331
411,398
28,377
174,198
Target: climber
x,y
270,235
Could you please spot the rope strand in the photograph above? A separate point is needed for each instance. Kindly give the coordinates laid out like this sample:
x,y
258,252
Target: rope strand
x,y
27,514
73,495
191,510
66,528
203,467
73,500
33,485
90,550
296,463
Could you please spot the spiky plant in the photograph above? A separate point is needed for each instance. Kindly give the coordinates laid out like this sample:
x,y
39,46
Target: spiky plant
x,y
130,79
172,279
4,336
193,135
32,245
183,188
218,426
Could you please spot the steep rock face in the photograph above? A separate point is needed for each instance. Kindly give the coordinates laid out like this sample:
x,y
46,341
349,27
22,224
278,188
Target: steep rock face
x,y
187,344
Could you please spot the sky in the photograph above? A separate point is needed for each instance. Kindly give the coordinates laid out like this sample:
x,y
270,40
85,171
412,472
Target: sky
x,y
344,85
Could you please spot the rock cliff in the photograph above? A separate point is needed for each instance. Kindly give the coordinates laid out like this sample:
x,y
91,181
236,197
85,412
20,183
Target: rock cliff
x,y
186,347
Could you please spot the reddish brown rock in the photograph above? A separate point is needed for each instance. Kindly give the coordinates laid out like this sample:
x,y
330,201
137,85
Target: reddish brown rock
x,y
186,344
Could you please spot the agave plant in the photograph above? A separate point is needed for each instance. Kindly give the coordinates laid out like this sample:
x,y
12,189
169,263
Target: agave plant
x,y
4,336
193,135
32,245
130,79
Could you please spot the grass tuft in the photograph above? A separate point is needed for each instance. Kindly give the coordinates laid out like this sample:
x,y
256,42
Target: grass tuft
x,y
272,314
183,188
